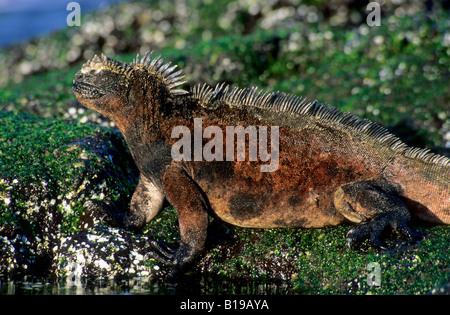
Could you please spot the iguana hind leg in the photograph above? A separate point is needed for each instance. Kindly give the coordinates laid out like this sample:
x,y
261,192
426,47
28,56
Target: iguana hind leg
x,y
375,206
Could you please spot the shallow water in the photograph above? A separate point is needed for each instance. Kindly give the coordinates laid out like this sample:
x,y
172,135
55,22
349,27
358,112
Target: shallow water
x,y
187,285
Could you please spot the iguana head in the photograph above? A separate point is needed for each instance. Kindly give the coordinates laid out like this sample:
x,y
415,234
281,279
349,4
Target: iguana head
x,y
116,89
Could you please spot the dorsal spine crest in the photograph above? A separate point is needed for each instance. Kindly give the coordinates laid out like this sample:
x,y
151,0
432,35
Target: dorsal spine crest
x,y
156,66
209,97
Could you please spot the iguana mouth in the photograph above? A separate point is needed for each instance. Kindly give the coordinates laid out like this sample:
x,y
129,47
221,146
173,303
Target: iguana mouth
x,y
86,90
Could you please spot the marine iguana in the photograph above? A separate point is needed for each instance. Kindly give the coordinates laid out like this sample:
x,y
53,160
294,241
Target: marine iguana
x,y
332,168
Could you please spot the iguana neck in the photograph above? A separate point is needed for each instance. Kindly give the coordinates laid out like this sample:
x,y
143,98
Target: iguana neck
x,y
141,127
142,112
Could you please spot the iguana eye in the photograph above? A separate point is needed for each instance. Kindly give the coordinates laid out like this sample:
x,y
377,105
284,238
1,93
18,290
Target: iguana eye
x,y
106,79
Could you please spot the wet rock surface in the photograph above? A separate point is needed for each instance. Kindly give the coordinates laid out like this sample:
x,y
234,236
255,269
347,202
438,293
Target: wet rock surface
x,y
47,173
103,252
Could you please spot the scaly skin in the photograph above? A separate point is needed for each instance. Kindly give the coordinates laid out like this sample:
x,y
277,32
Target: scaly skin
x,y
333,168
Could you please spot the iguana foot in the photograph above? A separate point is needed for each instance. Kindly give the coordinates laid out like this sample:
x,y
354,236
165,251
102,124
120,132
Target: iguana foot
x,y
375,229
177,257
375,205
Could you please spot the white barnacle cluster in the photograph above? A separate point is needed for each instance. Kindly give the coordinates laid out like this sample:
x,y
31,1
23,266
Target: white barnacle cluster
x,y
103,252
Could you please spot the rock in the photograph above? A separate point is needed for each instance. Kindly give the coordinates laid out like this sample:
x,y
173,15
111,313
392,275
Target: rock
x,y
103,252
48,170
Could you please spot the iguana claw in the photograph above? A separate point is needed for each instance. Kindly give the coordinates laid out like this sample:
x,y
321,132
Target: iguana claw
x,y
162,252
177,257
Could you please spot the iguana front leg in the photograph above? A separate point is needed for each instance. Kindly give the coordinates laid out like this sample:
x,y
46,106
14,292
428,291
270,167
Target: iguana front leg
x,y
375,206
146,203
191,206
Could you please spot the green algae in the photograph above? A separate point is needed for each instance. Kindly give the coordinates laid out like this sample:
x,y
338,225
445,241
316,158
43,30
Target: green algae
x,y
48,169
317,261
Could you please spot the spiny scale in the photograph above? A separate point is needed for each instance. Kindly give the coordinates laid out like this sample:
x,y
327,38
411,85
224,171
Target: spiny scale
x,y
281,102
100,63
156,65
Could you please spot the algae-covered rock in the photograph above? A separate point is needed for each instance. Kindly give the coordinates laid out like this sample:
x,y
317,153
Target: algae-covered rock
x,y
48,170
